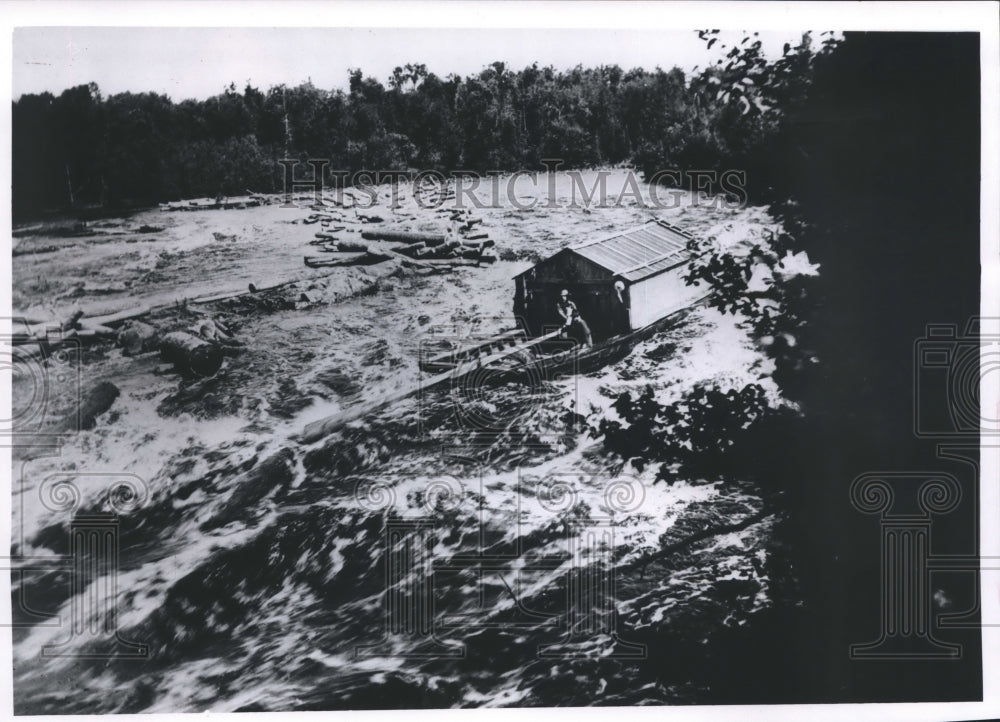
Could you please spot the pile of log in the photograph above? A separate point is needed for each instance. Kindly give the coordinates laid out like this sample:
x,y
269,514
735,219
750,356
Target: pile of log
x,y
436,246
197,352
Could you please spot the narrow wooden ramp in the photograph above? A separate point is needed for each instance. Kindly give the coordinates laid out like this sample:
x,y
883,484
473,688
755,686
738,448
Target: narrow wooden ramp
x,y
324,427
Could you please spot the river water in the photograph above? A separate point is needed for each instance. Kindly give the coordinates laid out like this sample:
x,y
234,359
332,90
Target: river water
x,y
470,546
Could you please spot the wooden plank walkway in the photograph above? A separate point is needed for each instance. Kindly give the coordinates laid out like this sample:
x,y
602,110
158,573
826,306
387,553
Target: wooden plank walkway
x,y
324,427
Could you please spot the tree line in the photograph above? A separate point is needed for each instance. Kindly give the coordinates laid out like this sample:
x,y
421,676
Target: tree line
x,y
866,149
80,148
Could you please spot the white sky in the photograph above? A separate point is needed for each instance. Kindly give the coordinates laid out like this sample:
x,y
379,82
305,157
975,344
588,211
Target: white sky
x,y
200,62
202,65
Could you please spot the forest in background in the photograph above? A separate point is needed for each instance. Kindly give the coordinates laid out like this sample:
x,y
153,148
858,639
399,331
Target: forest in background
x,y
81,148
867,150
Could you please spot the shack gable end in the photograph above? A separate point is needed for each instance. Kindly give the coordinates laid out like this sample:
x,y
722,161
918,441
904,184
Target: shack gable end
x,y
566,267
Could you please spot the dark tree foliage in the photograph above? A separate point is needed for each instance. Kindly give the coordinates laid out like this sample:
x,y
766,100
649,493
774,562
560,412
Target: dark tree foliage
x,y
867,152
874,172
82,149
695,431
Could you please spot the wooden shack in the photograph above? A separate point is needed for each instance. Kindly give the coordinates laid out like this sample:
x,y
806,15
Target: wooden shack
x,y
620,283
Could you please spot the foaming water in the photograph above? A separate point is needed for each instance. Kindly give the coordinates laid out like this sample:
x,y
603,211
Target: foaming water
x,y
256,571
263,574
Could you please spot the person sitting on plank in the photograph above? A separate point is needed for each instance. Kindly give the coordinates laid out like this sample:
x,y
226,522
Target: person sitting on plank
x,y
572,318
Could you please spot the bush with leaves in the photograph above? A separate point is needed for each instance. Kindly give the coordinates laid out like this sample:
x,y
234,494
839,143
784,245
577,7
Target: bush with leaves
x,y
762,280
695,431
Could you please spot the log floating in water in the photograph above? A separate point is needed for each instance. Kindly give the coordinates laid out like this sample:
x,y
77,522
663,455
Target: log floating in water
x,y
352,246
28,249
137,337
337,259
54,334
191,355
367,258
204,204
113,319
430,239
96,403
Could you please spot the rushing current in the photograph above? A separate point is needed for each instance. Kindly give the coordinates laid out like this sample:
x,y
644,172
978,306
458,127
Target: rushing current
x,y
473,545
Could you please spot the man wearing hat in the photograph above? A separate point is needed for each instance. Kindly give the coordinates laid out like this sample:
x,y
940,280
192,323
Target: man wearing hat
x,y
571,317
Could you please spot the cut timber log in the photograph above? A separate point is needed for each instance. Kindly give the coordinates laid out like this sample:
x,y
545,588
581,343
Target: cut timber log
x,y
413,248
113,319
211,204
96,403
334,260
353,246
26,249
90,330
137,337
191,355
84,416
346,259
430,239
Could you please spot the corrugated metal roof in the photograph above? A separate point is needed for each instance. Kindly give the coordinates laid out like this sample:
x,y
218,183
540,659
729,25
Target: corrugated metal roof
x,y
638,252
